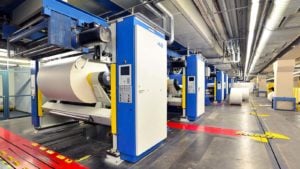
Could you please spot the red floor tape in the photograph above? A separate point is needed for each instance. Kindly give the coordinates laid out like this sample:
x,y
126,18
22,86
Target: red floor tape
x,y
204,129
24,154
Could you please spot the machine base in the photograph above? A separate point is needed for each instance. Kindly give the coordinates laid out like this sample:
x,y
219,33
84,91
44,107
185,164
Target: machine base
x,y
133,159
191,118
112,159
287,103
184,119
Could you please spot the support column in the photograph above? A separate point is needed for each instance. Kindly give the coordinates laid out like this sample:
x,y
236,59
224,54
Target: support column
x,y
262,85
283,83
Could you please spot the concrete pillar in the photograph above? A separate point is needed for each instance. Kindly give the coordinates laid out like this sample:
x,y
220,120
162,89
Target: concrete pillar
x,y
283,83
296,82
262,85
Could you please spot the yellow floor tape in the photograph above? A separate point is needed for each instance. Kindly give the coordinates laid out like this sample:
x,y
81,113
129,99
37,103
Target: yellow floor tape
x,y
259,114
264,138
83,158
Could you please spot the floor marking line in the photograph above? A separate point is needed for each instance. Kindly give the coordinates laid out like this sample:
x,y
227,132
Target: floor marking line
x,y
274,156
28,148
261,137
259,114
205,129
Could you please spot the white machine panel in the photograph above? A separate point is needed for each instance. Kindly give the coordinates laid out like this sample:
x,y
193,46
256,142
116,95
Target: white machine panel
x,y
151,89
227,86
200,87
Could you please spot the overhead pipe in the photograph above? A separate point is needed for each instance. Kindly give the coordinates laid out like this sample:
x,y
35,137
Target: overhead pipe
x,y
251,33
272,23
291,46
191,13
150,7
168,14
164,13
208,8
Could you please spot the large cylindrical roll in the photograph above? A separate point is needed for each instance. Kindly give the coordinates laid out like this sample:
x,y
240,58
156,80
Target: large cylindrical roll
x,y
68,81
246,93
236,96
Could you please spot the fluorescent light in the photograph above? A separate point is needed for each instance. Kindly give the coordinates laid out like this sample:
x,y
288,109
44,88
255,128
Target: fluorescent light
x,y
25,66
252,25
60,55
3,53
14,60
8,64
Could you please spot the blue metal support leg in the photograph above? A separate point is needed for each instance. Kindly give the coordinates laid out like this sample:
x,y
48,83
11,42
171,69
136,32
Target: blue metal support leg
x,y
34,94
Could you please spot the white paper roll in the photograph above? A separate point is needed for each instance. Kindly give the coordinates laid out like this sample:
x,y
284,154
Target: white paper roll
x,y
246,94
236,96
68,81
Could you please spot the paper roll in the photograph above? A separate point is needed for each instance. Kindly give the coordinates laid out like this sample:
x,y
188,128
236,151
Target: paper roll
x,y
68,81
246,93
236,96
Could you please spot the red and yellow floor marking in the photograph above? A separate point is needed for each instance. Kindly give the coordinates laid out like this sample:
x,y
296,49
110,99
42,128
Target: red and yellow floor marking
x,y
264,138
205,129
20,153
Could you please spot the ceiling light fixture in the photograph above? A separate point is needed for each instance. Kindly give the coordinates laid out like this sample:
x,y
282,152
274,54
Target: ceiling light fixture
x,y
252,26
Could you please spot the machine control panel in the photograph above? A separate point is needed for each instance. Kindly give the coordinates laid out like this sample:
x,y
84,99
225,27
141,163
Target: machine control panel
x,y
191,84
219,86
125,86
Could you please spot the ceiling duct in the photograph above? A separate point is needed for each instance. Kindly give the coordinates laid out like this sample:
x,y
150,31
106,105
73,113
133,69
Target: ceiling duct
x,y
191,13
162,12
168,14
272,23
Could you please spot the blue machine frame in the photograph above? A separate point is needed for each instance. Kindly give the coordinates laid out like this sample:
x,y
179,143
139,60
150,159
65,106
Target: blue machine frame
x,y
35,119
192,101
219,84
210,80
225,85
60,17
126,129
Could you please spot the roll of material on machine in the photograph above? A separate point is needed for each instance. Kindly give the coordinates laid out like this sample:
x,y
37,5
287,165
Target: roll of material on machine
x,y
68,81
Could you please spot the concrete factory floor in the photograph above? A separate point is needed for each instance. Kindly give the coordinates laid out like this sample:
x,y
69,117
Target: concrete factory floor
x,y
185,149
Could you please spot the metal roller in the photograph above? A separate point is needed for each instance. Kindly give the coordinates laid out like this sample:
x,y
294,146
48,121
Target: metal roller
x,y
94,35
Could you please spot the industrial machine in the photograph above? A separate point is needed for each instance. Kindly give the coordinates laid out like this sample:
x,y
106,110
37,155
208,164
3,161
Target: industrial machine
x,y
220,91
225,84
210,85
110,82
186,86
217,85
